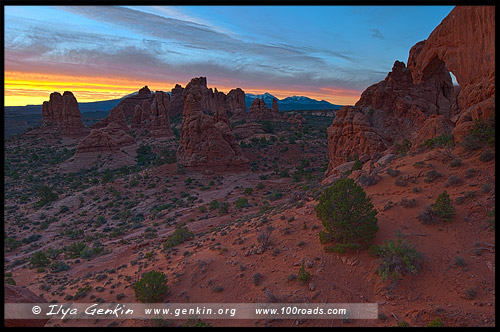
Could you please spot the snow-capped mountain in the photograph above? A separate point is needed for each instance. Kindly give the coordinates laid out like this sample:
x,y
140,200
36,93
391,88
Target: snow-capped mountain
x,y
291,103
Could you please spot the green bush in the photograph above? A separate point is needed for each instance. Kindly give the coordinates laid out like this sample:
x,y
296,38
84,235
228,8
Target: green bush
x,y
241,203
491,222
347,214
145,155
436,323
403,147
303,275
443,208
46,195
444,140
39,259
180,235
151,288
482,132
397,259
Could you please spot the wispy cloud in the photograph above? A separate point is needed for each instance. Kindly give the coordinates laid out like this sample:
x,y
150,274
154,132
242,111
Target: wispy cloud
x,y
377,34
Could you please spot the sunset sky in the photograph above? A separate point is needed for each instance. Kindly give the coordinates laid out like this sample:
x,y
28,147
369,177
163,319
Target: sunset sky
x,y
98,53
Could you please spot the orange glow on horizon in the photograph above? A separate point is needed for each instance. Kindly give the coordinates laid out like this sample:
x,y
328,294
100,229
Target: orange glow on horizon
x,y
21,89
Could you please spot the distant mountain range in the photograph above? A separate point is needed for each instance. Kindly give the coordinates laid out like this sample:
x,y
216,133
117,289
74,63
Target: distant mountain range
x,y
94,106
286,104
296,103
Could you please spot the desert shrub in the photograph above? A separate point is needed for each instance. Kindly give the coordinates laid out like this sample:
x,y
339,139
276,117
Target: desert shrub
x,y
265,237
460,199
180,235
166,156
268,126
397,259
82,292
444,140
59,266
11,243
403,147
39,259
46,195
151,288
401,181
436,323
460,261
9,281
107,176
491,221
427,216
393,172
456,162
357,165
470,293
256,278
367,180
470,173
303,275
482,132
443,207
487,155
145,155
432,175
454,180
241,203
408,202
347,214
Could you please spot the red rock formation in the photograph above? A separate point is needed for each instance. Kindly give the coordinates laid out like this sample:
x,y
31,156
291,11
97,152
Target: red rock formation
x,y
274,106
176,101
129,104
236,101
465,42
259,111
116,115
136,119
63,111
17,294
109,139
206,141
160,121
387,112
417,102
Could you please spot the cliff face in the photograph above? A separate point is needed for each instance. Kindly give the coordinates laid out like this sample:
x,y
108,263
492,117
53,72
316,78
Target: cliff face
x,y
418,101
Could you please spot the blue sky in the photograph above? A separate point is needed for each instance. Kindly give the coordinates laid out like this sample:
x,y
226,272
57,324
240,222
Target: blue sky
x,y
324,52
